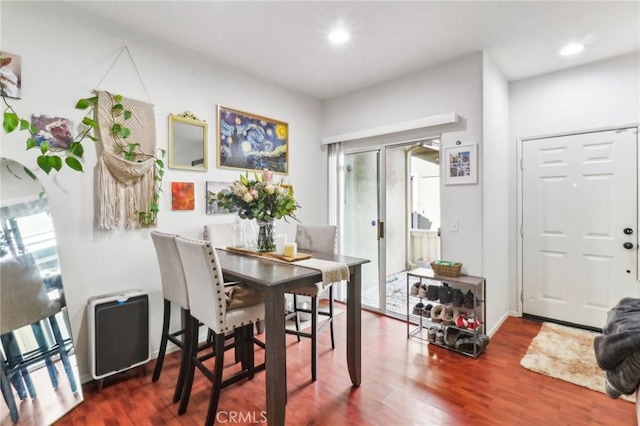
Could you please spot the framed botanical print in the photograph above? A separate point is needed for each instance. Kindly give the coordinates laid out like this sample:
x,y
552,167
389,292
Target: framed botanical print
x,y
461,164
254,142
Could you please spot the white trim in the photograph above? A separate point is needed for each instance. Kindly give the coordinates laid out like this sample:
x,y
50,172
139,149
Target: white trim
x,y
398,128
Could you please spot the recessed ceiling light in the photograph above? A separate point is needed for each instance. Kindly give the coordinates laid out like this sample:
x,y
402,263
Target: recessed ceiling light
x,y
338,36
572,49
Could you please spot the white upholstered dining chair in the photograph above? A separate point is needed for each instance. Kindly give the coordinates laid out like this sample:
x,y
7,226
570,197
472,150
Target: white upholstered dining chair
x,y
174,291
224,308
322,239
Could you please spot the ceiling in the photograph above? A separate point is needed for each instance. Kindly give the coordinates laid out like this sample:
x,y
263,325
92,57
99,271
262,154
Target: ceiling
x,y
286,42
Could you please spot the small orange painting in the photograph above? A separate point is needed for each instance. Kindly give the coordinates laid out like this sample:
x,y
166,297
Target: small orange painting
x,y
182,196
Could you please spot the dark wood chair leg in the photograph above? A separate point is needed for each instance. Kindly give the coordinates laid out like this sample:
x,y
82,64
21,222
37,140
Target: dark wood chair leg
x,y
163,341
249,351
187,339
333,343
192,352
314,337
217,372
297,316
238,339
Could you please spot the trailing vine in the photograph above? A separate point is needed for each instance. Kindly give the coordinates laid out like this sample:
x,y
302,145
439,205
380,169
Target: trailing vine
x,y
55,158
49,158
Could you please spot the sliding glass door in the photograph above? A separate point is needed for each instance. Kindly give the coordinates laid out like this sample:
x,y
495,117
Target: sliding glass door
x,y
390,206
361,219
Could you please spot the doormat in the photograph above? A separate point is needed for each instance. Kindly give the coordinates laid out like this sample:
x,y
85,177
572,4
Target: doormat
x,y
567,354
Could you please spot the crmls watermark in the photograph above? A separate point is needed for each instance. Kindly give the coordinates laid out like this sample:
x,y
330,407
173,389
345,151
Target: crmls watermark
x,y
241,417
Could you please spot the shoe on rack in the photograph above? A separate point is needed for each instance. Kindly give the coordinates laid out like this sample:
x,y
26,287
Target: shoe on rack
x,y
440,337
451,336
414,288
444,293
437,313
433,292
431,333
449,314
426,311
417,310
461,320
469,300
422,291
473,323
457,297
467,344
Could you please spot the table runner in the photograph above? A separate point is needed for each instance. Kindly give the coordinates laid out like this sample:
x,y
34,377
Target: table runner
x,y
331,271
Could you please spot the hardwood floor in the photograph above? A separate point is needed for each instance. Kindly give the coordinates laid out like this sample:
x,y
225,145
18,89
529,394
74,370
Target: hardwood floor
x,y
405,382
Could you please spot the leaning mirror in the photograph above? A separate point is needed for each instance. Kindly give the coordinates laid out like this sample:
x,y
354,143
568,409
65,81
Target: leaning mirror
x,y
187,142
39,376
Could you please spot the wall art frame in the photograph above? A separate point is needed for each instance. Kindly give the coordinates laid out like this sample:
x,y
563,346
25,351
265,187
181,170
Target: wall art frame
x,y
461,164
251,142
11,75
212,206
183,196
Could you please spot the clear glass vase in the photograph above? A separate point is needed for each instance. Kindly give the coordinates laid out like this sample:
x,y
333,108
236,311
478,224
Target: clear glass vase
x,y
249,234
266,231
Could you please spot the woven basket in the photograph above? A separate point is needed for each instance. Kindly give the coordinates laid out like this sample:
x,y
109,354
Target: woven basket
x,y
446,270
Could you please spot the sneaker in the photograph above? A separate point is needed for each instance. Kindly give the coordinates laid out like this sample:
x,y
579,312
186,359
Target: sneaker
x,y
417,310
473,323
426,311
440,337
431,334
461,320
414,288
422,291
432,292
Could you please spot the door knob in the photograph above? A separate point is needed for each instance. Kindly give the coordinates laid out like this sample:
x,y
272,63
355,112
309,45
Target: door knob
x,y
628,245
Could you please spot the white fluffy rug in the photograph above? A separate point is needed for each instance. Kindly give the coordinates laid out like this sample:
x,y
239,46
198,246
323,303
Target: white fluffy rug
x,y
567,354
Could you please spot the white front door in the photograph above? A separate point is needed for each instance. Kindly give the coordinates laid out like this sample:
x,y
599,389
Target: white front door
x,y
579,218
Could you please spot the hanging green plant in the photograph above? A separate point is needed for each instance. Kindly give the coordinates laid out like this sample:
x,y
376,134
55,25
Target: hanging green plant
x,y
55,158
50,158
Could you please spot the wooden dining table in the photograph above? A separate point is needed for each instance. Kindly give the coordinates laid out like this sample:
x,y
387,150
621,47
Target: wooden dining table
x,y
274,279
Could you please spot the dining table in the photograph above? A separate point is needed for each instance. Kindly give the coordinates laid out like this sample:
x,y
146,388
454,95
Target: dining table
x,y
274,279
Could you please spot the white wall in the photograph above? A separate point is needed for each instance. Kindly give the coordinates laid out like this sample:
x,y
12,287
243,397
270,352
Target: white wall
x,y
498,160
601,94
597,95
64,56
454,86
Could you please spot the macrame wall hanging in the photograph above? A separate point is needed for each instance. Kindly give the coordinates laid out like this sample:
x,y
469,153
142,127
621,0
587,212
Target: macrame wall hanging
x,y
125,187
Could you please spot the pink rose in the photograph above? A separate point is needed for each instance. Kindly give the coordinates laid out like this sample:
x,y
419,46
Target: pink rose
x,y
268,175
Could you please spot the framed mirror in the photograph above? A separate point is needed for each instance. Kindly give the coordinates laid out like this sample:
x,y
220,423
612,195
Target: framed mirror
x,y
187,142
39,379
